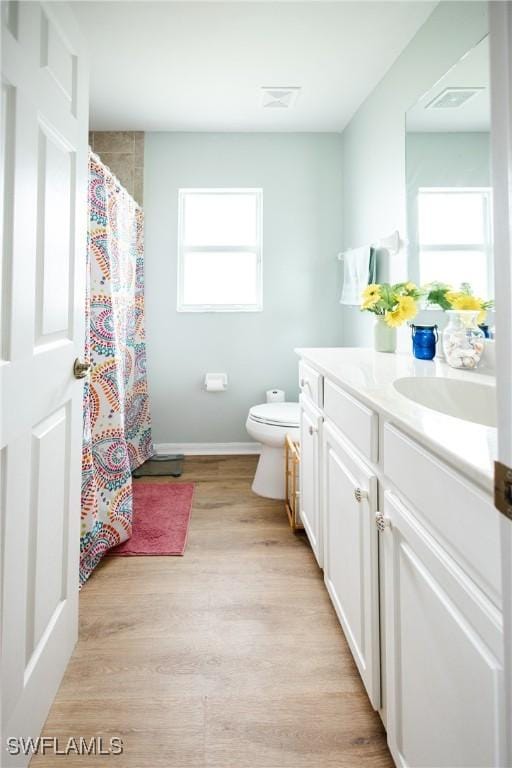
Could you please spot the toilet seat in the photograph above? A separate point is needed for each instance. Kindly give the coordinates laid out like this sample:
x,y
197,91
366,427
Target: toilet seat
x,y
276,414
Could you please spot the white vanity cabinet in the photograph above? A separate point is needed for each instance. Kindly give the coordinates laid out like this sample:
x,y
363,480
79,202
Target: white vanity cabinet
x,y
350,553
309,483
444,678
411,555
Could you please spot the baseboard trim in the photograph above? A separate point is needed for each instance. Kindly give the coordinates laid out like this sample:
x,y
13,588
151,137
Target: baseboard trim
x,y
208,449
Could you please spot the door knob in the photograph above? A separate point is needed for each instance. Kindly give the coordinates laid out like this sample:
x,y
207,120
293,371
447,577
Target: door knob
x,y
80,370
360,494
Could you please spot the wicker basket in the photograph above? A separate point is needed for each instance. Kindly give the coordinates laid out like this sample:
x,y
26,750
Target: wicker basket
x,y
292,468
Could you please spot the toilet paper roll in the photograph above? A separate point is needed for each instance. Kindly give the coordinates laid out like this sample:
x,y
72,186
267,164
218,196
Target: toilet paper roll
x,y
216,382
275,396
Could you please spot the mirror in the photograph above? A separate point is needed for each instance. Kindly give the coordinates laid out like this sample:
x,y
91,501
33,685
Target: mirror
x,y
449,211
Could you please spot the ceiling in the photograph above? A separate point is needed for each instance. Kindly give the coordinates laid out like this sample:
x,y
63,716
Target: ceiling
x,y
472,71
200,66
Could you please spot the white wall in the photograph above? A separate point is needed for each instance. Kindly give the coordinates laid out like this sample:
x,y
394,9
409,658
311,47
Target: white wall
x,y
374,140
302,203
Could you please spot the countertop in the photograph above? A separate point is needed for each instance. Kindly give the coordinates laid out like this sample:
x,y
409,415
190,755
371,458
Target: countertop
x,y
368,375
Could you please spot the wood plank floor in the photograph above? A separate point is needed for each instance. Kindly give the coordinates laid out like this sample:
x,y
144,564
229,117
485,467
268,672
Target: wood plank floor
x,y
229,657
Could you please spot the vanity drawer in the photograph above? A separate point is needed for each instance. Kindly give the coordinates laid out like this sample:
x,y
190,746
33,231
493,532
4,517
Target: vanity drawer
x,y
460,516
311,383
357,422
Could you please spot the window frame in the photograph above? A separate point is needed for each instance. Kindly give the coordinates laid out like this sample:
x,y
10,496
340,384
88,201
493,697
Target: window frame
x,y
486,246
184,249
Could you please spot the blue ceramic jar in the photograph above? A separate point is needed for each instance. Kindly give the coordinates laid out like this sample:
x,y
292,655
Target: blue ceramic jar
x,y
424,340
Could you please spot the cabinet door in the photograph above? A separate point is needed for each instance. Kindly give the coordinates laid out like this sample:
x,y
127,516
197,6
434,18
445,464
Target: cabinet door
x,y
444,676
351,553
310,423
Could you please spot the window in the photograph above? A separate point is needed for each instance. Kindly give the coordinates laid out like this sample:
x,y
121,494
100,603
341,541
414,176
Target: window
x,y
219,250
455,237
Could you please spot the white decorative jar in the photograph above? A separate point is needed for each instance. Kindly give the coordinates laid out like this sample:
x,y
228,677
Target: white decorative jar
x,y
463,341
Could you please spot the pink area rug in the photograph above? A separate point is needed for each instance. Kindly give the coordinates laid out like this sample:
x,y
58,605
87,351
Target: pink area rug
x,y
161,516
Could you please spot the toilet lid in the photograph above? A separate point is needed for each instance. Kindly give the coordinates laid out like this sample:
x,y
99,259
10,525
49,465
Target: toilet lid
x,y
278,414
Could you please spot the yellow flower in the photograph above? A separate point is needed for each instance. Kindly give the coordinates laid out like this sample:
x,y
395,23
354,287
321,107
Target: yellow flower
x,y
370,296
405,310
451,296
394,317
466,301
407,306
410,287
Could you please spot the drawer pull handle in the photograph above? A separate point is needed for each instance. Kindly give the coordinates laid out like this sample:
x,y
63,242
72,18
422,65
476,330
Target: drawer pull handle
x,y
359,495
312,430
382,522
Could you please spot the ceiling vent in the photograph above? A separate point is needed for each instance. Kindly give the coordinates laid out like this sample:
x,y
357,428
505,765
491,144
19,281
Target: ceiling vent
x,y
452,98
279,97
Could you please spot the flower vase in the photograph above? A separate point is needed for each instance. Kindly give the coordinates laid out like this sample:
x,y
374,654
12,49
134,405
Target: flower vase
x,y
384,337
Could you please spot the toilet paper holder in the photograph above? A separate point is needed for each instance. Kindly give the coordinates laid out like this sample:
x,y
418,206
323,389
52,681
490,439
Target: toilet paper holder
x,y
216,382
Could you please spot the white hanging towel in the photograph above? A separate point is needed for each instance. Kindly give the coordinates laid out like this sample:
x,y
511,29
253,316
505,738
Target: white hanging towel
x,y
357,271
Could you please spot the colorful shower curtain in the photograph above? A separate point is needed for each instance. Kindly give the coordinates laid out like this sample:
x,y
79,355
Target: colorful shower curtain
x,y
117,426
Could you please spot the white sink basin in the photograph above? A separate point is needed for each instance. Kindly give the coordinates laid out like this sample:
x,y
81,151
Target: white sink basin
x,y
466,400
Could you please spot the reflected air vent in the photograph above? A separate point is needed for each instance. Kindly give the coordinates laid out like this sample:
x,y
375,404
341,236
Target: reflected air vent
x,y
452,98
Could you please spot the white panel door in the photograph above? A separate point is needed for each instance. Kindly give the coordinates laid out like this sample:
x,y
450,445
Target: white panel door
x,y
351,559
44,211
500,24
444,654
310,424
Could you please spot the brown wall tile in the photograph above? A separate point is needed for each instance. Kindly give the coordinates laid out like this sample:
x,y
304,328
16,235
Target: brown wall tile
x,y
123,153
139,148
138,185
114,141
121,165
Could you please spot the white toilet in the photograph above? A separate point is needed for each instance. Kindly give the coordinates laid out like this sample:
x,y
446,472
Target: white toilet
x,y
269,424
